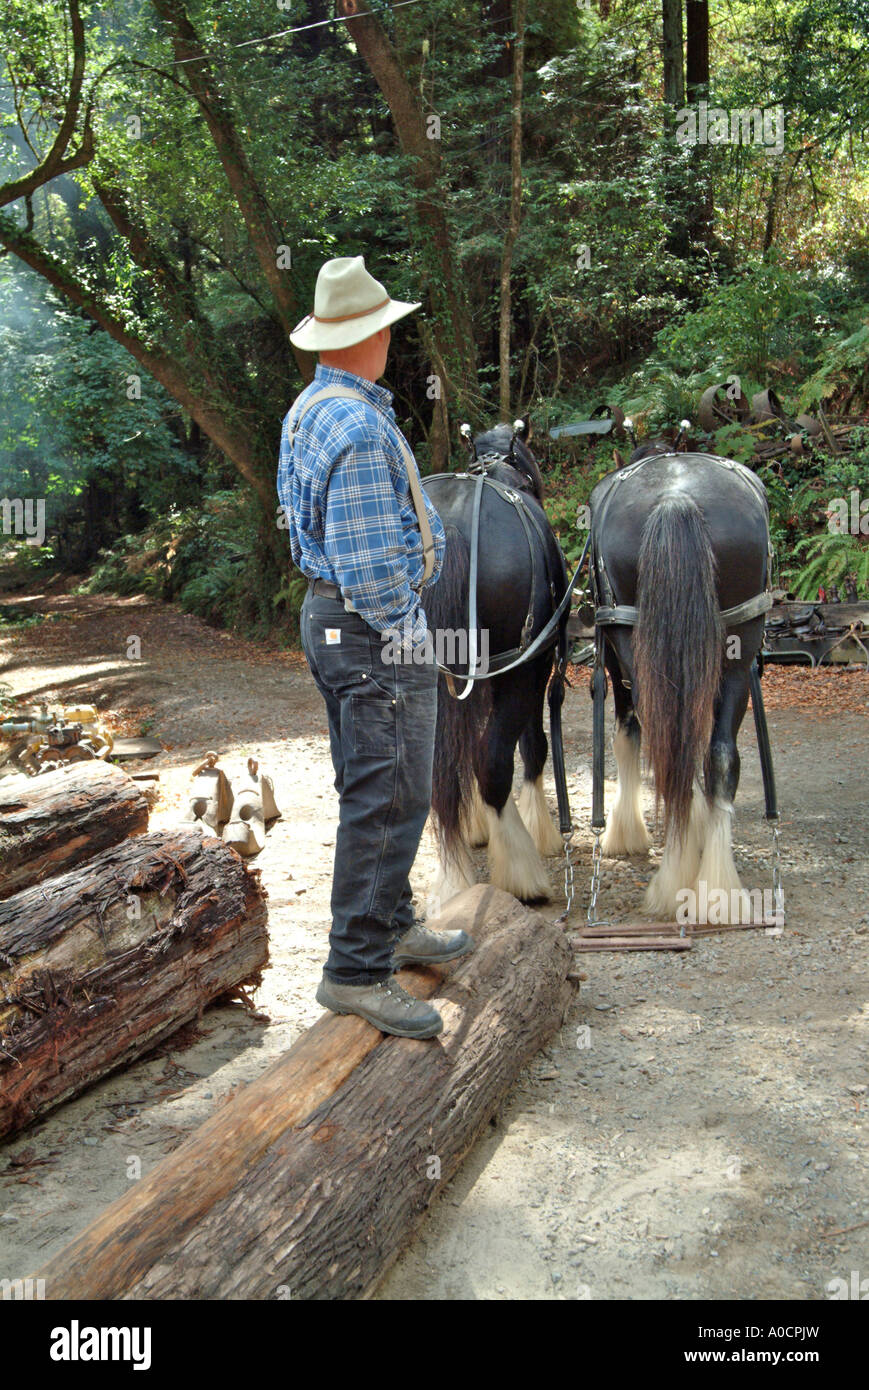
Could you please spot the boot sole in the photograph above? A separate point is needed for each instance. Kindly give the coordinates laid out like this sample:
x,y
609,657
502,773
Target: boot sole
x,y
395,1032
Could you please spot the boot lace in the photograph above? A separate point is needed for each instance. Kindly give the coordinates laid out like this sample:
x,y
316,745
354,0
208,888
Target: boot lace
x,y
390,987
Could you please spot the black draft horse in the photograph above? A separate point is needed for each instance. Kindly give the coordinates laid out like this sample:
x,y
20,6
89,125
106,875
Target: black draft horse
x,y
521,579
680,537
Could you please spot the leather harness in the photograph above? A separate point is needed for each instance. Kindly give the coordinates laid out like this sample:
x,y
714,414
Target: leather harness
x,y
515,656
608,612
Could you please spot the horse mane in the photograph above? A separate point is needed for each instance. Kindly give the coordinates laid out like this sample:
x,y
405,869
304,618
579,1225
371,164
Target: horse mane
x,y
516,454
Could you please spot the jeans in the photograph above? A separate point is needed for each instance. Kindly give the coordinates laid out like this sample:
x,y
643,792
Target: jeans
x,y
381,732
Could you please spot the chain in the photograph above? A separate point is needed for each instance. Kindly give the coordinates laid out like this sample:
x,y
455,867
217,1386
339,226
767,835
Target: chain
x,y
569,889
596,856
777,890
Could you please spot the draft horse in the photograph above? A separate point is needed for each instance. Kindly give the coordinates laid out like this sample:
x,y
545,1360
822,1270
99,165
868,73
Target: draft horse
x,y
679,569
502,580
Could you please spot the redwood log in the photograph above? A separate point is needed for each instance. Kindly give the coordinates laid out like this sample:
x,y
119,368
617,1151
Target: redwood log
x,y
311,1180
58,819
102,962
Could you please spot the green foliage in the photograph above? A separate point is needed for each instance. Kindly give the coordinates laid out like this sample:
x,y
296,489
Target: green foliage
x,y
658,312
763,324
844,368
829,559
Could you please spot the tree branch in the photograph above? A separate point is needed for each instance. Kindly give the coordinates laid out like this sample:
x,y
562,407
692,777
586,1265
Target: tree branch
x,y
57,161
262,231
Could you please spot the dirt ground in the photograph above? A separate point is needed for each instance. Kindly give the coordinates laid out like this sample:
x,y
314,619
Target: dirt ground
x,y
698,1127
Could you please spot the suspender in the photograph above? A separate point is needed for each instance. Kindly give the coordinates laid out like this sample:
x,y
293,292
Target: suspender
x,y
428,546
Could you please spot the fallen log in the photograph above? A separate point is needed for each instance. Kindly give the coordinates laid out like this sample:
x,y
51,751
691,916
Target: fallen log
x,y
100,963
51,822
310,1181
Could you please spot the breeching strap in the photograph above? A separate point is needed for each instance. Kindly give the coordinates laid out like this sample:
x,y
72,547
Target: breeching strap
x,y
763,748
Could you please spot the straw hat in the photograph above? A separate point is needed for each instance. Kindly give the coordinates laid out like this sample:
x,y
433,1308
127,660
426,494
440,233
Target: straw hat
x,y
349,305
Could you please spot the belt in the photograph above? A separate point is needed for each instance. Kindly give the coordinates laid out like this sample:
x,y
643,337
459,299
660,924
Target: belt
x,y
327,589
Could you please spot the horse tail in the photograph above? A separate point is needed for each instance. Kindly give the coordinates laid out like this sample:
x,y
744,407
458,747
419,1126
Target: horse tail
x,y
460,723
677,650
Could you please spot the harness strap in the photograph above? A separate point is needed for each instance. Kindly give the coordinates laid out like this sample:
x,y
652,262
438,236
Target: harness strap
x,y
347,393
598,696
763,748
621,613
545,637
556,741
472,590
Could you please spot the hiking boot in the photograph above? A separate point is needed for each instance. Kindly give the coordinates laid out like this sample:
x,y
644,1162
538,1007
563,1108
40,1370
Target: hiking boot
x,y
423,947
385,1004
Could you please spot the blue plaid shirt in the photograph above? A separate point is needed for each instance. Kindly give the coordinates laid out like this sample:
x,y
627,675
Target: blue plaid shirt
x,y
345,495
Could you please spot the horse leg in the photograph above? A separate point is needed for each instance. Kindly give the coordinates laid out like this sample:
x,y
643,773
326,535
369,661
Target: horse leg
x,y
533,810
626,831
680,862
514,862
476,826
717,880
455,873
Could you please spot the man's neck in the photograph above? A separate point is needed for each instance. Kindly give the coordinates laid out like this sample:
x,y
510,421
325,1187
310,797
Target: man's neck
x,y
342,362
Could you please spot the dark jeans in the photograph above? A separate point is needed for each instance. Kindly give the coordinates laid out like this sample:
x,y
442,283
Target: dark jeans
x,y
381,732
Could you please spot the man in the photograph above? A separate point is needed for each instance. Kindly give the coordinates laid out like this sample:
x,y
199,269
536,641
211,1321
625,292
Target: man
x,y
367,537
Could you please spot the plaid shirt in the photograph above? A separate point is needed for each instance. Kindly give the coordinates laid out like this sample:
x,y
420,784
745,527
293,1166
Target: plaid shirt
x,y
344,491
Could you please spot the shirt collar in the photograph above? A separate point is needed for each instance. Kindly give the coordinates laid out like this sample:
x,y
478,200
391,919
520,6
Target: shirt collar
x,y
336,376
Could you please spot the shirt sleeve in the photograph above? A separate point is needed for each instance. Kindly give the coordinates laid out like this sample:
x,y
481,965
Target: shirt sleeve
x,y
364,537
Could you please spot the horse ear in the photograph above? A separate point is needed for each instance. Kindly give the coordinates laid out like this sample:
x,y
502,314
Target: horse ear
x,y
522,429
617,459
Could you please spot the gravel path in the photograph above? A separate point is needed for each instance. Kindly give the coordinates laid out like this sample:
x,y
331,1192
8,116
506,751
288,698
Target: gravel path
x,y
698,1126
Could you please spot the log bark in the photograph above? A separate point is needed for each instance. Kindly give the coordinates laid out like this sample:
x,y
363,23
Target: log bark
x,y
58,819
309,1183
101,963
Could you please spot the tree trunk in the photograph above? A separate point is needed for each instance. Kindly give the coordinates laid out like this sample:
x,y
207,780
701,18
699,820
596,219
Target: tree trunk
x,y
769,230
697,84
58,819
515,208
674,58
100,963
310,1182
453,328
697,49
265,236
